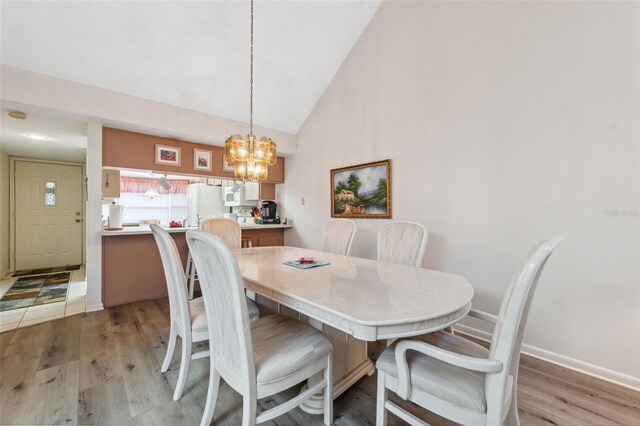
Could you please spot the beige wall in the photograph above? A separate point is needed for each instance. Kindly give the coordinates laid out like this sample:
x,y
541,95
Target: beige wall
x,y
506,123
4,212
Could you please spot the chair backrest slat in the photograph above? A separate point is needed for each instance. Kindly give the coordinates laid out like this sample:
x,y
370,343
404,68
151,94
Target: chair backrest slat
x,y
174,275
338,235
229,231
226,308
402,243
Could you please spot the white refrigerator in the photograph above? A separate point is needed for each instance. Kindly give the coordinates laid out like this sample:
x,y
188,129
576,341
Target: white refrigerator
x,y
204,200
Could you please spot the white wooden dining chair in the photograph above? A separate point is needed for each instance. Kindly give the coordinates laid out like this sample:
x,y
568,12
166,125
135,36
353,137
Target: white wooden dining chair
x,y
457,378
188,318
338,235
402,243
256,359
229,231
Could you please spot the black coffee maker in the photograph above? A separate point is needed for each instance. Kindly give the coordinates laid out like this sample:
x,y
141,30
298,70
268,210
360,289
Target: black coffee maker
x,y
269,210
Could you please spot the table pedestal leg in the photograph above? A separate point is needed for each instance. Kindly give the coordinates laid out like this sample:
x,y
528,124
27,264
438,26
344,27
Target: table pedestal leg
x,y
315,404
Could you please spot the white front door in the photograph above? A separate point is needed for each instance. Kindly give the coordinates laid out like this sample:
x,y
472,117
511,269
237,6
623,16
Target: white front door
x,y
48,215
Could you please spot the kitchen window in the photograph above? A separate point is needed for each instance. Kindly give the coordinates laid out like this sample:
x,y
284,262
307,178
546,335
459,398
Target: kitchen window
x,y
138,196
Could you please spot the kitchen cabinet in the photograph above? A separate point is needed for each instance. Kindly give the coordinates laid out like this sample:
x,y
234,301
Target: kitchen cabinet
x,y
264,237
110,183
255,191
276,172
252,191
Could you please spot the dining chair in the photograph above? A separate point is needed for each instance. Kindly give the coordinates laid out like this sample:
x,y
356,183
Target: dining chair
x,y
457,378
188,318
338,235
256,359
402,243
229,231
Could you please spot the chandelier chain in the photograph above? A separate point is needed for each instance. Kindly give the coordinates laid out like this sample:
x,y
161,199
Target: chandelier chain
x,y
251,78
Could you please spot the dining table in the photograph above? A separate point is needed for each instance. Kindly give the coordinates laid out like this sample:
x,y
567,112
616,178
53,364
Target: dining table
x,y
353,301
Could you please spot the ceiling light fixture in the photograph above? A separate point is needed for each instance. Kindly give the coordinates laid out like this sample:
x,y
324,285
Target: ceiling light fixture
x,y
250,157
37,137
151,193
20,115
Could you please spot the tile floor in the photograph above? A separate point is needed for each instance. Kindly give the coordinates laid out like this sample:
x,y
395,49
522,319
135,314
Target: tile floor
x,y
75,304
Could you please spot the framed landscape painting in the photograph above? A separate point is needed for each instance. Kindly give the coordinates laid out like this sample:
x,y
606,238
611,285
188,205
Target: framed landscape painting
x,y
169,155
362,191
202,159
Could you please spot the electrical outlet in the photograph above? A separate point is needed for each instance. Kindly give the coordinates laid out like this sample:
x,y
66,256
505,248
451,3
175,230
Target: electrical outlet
x,y
302,201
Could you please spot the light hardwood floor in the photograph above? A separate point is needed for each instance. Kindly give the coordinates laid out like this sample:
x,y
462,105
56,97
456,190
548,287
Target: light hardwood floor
x,y
104,368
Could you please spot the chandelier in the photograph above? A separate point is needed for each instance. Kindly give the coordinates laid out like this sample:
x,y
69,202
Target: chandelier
x,y
250,156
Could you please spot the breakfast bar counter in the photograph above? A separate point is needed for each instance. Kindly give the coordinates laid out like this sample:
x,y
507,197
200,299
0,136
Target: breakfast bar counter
x,y
144,229
131,265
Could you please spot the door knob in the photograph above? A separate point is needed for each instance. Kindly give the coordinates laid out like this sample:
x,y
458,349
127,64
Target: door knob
x,y
78,220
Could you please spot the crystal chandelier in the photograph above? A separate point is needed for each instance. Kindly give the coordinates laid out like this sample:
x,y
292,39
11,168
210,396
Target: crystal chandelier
x,y
250,156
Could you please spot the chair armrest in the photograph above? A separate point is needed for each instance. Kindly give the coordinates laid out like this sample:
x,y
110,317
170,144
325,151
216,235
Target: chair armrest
x,y
463,361
483,316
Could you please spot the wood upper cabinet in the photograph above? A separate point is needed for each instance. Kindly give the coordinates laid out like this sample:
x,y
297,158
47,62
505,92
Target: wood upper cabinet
x,y
110,183
276,172
267,191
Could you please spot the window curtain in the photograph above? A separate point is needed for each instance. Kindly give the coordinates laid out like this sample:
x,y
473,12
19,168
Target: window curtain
x,y
136,185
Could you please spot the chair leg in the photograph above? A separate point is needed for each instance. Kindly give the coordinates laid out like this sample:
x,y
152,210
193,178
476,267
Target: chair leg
x,y
512,416
248,410
381,411
212,396
184,366
328,391
171,347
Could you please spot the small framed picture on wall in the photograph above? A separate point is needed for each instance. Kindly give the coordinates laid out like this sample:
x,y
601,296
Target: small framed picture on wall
x,y
169,155
202,160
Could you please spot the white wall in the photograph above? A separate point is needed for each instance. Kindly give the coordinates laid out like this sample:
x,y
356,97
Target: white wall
x,y
4,213
93,219
506,123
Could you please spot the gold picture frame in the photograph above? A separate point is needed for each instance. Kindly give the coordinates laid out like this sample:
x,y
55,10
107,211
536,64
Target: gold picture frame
x,y
362,191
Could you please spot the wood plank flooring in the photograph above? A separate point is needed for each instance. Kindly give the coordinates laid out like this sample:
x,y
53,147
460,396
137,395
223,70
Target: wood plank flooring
x,y
104,368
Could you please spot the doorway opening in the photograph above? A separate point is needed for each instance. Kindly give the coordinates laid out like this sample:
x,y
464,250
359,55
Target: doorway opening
x,y
45,208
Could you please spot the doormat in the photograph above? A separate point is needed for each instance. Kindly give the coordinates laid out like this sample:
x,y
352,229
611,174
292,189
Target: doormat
x,y
32,291
41,271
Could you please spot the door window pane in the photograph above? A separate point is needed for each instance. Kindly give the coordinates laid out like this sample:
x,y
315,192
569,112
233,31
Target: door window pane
x,y
50,194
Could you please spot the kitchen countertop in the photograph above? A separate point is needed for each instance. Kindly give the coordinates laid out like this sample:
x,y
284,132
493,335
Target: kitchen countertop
x,y
144,229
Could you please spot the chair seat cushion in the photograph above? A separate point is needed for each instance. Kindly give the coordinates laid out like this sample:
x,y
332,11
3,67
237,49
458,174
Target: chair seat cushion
x,y
282,346
199,316
458,386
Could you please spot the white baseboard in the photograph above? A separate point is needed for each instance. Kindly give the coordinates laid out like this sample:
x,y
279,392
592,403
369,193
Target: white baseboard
x,y
563,361
95,307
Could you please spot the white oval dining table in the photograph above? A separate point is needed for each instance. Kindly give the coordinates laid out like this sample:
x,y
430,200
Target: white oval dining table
x,y
360,299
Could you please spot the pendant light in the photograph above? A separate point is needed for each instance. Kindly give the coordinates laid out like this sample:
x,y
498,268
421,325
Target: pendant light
x,y
249,156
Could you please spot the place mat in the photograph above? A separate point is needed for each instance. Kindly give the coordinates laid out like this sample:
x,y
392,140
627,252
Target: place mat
x,y
315,264
30,291
41,271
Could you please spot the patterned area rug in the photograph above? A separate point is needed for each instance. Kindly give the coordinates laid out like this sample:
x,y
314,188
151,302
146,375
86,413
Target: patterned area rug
x,y
40,290
25,272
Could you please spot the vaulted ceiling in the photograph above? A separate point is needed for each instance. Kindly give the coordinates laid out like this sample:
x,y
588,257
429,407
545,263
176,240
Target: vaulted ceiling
x,y
193,55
